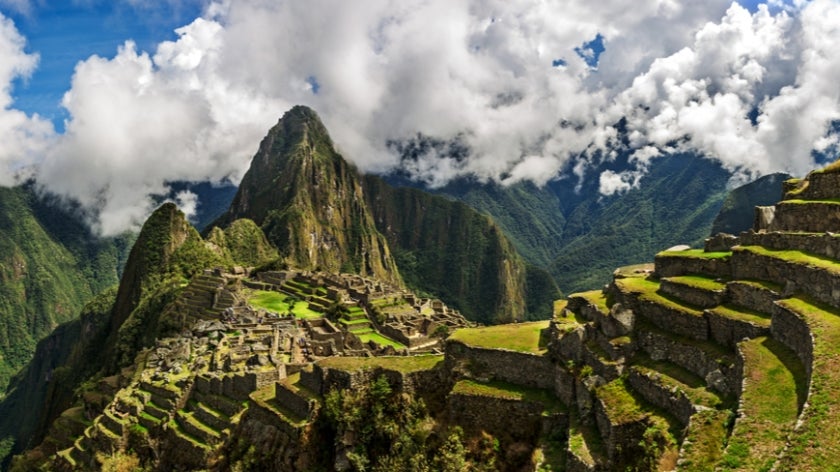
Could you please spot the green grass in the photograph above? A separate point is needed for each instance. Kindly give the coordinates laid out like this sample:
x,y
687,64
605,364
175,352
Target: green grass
x,y
279,303
620,404
522,337
704,440
508,391
595,297
797,257
833,167
800,202
700,282
380,339
775,379
583,442
716,351
763,285
647,290
742,314
404,364
695,253
816,445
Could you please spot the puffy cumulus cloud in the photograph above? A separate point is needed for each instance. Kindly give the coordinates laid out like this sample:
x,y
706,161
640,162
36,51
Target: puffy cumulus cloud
x,y
502,78
139,121
753,91
23,139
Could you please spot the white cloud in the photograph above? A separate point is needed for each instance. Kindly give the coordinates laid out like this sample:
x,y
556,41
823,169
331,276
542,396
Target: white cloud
x,y
23,139
755,91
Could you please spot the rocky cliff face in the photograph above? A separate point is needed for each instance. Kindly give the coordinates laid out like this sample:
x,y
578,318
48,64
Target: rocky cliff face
x,y
447,248
310,202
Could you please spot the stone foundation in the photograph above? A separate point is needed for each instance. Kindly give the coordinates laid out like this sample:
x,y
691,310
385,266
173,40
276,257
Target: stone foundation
x,y
675,402
672,265
692,295
520,368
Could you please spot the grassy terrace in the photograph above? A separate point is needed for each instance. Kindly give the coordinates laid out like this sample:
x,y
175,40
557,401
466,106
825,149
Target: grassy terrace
x,y
522,337
280,303
742,314
508,391
585,442
799,201
647,290
797,257
704,440
695,253
404,364
699,282
379,339
264,397
775,380
596,298
621,405
763,285
559,306
816,444
675,377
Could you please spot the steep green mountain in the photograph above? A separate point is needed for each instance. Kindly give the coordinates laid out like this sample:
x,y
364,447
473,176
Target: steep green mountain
x,y
447,248
310,202
321,213
579,235
50,266
738,210
94,351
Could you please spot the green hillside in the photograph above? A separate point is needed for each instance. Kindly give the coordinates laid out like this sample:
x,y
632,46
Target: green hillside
x,y
50,266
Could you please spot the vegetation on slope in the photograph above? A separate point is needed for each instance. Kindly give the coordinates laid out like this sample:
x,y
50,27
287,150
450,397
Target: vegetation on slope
x,y
50,265
394,432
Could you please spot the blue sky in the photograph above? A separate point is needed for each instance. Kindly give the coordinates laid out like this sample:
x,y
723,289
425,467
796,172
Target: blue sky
x,y
65,32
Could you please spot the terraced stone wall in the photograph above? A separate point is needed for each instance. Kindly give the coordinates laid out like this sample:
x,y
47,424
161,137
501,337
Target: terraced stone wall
x,y
821,284
667,266
812,217
792,331
510,420
520,368
827,245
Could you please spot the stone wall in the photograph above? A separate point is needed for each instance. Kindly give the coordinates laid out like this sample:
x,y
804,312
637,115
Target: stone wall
x,y
673,401
821,244
791,330
719,372
506,419
673,265
621,440
312,380
728,332
673,320
290,400
520,368
819,186
693,295
812,217
821,284
752,296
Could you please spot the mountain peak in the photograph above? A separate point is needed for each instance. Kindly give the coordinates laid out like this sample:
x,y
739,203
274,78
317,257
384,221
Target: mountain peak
x,y
309,201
